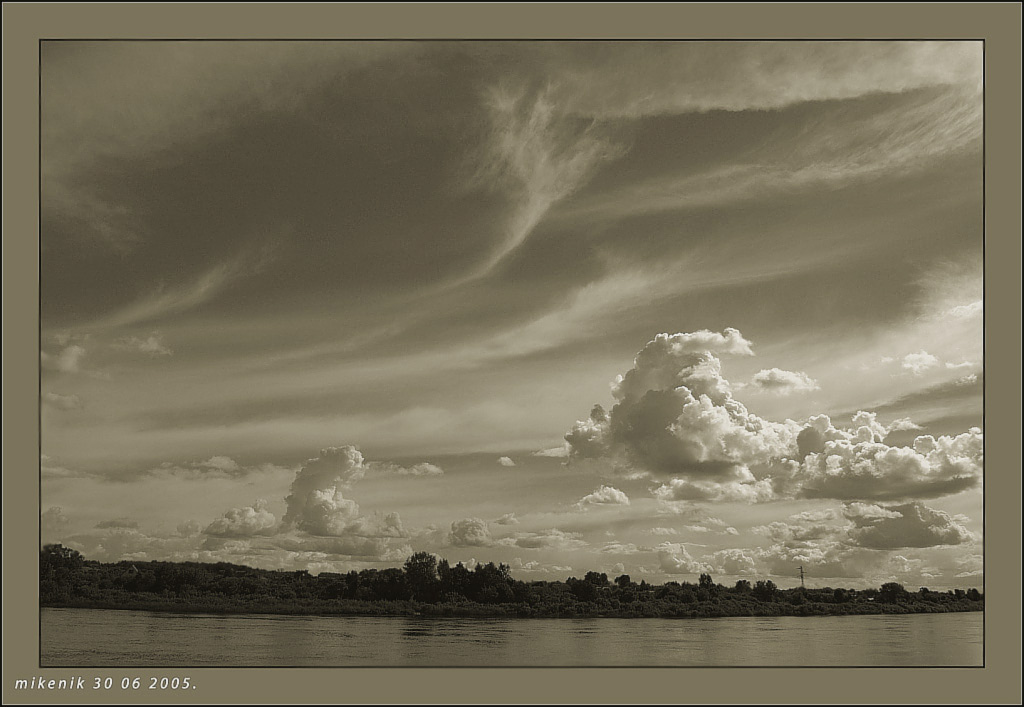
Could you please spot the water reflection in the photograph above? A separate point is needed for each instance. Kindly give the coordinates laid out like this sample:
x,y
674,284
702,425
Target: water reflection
x,y
85,637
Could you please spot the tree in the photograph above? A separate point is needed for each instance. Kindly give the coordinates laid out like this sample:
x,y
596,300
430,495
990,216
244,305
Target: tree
x,y
705,582
58,557
891,592
422,577
598,580
743,586
764,589
623,581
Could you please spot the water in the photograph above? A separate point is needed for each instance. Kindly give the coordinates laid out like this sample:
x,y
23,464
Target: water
x,y
93,637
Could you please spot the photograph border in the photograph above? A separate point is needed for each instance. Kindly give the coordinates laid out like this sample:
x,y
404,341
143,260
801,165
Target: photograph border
x,y
997,24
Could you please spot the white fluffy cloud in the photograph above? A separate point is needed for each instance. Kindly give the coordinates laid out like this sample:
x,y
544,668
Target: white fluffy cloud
x,y
506,461
674,558
676,421
603,496
470,532
244,522
780,382
862,467
676,416
335,468
918,363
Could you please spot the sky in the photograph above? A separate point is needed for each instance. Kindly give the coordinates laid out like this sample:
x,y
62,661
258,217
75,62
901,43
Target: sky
x,y
645,308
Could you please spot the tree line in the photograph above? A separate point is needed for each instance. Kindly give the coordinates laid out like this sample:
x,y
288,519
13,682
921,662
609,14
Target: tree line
x,y
431,586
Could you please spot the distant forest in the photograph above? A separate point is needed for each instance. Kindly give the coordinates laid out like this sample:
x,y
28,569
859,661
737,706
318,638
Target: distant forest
x,y
428,586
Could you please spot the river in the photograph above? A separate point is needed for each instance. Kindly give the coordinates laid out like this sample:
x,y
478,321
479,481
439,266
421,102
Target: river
x,y
97,637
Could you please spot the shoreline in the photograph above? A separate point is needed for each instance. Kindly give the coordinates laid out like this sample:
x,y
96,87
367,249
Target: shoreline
x,y
486,612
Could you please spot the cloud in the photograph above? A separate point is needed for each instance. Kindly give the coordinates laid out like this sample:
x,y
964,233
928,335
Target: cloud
x,y
918,363
553,538
560,452
216,467
903,526
674,558
244,522
189,528
967,311
67,361
733,562
506,461
507,519
117,523
632,80
776,380
421,469
603,496
863,468
685,490
167,300
53,524
618,548
781,532
663,531
537,156
676,418
676,421
62,402
152,345
319,480
470,532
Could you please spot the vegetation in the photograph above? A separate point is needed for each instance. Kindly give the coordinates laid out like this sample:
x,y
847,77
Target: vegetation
x,y
431,587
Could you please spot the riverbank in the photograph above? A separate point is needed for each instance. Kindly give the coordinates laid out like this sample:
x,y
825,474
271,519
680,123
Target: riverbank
x,y
228,606
428,587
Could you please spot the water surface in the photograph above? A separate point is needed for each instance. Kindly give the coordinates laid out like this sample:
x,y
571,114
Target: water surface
x,y
98,637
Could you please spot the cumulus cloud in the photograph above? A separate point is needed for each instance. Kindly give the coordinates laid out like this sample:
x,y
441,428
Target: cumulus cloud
x,y
244,522
734,562
506,461
677,422
674,558
676,417
603,496
470,532
908,525
780,382
862,467
507,519
318,483
918,363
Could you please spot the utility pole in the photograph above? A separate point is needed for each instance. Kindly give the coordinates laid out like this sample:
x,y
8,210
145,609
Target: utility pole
x,y
801,568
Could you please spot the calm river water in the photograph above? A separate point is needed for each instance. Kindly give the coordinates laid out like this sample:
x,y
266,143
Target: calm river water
x,y
91,637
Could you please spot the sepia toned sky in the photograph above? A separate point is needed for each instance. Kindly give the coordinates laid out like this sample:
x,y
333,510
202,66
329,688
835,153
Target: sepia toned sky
x,y
321,305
